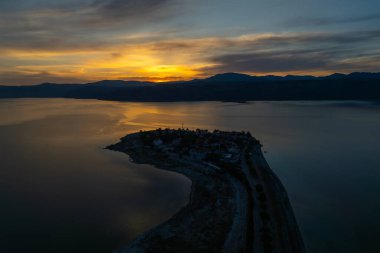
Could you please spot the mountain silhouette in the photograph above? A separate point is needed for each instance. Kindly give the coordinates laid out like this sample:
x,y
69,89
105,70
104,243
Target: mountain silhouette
x,y
220,87
120,83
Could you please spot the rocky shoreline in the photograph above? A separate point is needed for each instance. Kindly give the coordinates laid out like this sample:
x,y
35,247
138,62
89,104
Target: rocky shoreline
x,y
236,203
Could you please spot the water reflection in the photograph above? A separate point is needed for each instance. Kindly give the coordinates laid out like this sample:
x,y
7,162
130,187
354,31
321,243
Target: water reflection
x,y
60,191
59,187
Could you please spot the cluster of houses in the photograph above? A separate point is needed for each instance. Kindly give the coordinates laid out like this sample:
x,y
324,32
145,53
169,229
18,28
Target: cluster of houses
x,y
201,145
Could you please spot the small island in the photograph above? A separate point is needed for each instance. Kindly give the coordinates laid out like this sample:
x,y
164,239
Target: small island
x,y
237,204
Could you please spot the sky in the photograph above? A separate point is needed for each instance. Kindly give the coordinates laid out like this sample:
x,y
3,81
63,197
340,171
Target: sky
x,y
79,41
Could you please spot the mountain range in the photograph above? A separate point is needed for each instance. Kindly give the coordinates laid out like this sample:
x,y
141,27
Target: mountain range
x,y
220,87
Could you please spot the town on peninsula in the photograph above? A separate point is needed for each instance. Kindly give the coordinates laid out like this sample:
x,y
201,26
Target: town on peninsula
x,y
236,205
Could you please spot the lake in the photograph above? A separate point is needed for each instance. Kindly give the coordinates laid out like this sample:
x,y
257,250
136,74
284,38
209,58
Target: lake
x,y
62,192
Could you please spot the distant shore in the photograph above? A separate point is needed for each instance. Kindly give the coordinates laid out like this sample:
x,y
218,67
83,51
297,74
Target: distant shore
x,y
232,87
237,204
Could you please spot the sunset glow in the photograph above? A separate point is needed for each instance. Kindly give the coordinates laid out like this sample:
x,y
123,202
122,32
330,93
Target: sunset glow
x,y
168,40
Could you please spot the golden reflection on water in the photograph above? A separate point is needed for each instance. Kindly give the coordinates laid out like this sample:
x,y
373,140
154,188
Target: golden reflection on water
x,y
166,115
59,186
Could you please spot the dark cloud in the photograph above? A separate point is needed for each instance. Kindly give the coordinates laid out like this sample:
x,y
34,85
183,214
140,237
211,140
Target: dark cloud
x,y
21,78
85,24
327,21
251,42
322,38
94,24
128,13
275,61
129,8
7,6
300,53
290,61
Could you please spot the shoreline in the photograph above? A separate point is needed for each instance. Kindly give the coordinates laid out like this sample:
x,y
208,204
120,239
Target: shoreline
x,y
227,210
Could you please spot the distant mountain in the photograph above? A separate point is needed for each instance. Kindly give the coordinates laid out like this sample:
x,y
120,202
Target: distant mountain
x,y
121,83
354,75
229,77
237,77
364,75
300,78
221,87
334,76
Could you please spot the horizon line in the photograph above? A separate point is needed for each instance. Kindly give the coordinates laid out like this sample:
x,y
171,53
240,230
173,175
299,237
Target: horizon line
x,y
141,79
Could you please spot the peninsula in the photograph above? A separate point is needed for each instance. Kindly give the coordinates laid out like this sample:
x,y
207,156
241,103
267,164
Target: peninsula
x,y
237,204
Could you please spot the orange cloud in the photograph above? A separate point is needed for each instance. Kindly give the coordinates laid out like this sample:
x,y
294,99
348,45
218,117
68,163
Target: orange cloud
x,y
147,57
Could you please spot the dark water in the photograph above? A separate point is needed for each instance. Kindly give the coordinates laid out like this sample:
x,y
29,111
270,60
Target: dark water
x,y
61,192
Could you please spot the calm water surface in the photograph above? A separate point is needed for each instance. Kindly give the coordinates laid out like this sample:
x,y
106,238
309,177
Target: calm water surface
x,y
60,191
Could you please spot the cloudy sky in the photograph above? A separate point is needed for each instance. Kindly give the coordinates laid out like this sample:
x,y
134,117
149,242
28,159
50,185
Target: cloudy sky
x,y
87,40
